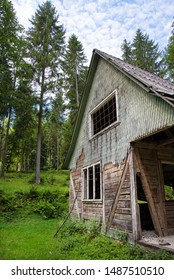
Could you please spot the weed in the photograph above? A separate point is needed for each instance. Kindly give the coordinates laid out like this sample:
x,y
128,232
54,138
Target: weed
x,y
121,235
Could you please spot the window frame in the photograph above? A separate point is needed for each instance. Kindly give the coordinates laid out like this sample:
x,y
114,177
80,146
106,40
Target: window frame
x,y
86,186
98,107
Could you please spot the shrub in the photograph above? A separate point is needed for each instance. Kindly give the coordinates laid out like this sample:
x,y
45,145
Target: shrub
x,y
6,202
46,209
51,180
32,194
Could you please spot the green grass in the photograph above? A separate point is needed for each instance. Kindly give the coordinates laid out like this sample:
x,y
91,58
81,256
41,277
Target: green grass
x,y
30,216
30,238
21,181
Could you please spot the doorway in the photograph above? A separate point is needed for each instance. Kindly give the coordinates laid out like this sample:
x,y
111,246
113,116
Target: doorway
x,y
145,216
168,176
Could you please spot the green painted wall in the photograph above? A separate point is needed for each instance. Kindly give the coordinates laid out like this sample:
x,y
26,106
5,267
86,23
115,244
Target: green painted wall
x,y
139,114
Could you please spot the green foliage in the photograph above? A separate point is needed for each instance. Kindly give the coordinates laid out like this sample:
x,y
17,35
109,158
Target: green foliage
x,y
144,53
6,202
92,227
121,235
169,193
47,203
33,179
46,209
170,54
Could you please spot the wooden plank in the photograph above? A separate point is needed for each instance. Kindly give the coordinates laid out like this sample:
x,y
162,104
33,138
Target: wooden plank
x,y
75,196
148,194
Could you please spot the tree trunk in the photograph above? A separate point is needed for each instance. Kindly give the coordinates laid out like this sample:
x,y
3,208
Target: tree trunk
x,y
5,144
2,135
22,157
77,90
39,131
38,152
57,160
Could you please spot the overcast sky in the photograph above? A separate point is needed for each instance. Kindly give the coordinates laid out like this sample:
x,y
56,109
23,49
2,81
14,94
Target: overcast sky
x,y
104,24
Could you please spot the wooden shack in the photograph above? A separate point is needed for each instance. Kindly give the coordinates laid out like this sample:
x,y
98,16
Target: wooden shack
x,y
121,155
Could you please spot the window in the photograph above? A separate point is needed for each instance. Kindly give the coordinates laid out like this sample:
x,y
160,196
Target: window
x,y
104,115
92,182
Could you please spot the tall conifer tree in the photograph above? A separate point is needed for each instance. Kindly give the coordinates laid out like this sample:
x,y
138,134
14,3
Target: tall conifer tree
x,y
144,53
75,73
10,57
46,47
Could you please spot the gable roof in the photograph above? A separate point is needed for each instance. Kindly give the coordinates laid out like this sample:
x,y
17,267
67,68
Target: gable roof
x,y
149,81
152,82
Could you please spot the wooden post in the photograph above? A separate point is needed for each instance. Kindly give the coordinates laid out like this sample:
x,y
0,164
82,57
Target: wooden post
x,y
136,230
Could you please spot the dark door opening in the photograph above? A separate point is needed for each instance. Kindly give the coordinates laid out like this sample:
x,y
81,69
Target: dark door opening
x,y
145,217
168,175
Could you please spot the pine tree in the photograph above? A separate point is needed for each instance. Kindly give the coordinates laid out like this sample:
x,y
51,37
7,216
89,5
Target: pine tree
x,y
11,44
127,51
170,55
46,47
75,72
144,53
75,75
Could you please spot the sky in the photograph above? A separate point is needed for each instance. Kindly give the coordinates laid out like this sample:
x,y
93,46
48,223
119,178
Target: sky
x,y
104,24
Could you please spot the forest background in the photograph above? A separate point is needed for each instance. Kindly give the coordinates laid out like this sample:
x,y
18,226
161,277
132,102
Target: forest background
x,y
42,76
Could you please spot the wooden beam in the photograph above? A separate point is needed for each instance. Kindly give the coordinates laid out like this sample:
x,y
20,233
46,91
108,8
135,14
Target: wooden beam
x,y
165,142
147,191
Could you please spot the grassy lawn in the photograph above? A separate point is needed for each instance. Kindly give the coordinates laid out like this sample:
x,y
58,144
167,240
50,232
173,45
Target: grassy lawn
x,y
30,216
29,238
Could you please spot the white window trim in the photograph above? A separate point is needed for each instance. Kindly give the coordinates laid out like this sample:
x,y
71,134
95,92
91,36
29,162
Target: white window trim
x,y
102,103
87,191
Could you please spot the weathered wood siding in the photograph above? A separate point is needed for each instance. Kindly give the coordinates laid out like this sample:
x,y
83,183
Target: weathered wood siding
x,y
92,210
122,217
111,178
76,187
117,197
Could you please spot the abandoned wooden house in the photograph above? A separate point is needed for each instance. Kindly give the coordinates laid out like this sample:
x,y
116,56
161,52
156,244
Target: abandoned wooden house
x,y
121,155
